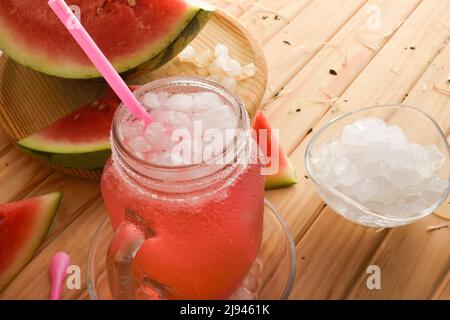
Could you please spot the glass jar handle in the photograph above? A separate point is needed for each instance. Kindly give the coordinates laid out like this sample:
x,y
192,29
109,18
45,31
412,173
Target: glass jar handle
x,y
124,245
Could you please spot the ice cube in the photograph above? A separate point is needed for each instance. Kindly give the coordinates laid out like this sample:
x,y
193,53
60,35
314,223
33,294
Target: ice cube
x,y
151,100
347,173
436,157
140,144
421,160
376,134
386,192
187,54
180,102
323,157
220,63
396,138
157,135
364,190
221,50
174,119
437,185
163,96
233,69
401,158
248,71
377,151
203,58
323,163
369,124
376,170
132,129
206,100
329,178
230,84
351,135
219,118
403,178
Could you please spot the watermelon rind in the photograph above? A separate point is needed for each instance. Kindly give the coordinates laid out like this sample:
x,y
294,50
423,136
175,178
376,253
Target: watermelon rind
x,y
50,205
285,177
81,160
155,55
185,37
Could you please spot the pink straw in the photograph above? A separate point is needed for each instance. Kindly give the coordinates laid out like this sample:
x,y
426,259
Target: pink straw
x,y
97,57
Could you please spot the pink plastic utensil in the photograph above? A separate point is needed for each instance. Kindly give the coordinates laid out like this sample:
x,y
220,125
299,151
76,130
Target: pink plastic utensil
x,y
58,268
97,57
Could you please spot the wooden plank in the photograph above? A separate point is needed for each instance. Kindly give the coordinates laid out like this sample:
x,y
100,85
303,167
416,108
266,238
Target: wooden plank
x,y
330,255
413,263
443,292
233,7
267,17
19,174
5,143
33,282
307,33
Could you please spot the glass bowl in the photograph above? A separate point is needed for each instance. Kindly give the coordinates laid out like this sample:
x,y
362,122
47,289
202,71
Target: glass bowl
x,y
418,127
270,278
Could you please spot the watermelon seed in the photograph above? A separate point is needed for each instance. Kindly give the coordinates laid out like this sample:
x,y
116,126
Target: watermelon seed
x,y
101,107
333,72
132,3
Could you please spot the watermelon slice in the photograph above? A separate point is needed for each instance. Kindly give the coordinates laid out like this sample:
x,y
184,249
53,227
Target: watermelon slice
x,y
23,227
286,174
80,140
129,32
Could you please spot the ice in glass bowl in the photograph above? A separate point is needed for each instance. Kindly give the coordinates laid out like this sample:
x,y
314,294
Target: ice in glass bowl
x,y
382,166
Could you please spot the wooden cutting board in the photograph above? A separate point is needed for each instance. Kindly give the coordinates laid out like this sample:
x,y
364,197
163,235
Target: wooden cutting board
x,y
30,100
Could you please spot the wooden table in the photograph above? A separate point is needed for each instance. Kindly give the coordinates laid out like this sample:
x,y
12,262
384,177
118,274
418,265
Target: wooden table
x,y
383,51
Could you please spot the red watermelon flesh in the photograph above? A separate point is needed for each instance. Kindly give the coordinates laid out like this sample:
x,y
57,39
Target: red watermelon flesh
x,y
129,32
23,227
286,174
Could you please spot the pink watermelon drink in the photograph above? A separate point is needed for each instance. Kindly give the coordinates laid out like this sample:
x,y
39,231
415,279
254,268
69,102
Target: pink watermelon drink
x,y
194,218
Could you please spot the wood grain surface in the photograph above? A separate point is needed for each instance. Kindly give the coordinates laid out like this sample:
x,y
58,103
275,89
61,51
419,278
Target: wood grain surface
x,y
404,60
